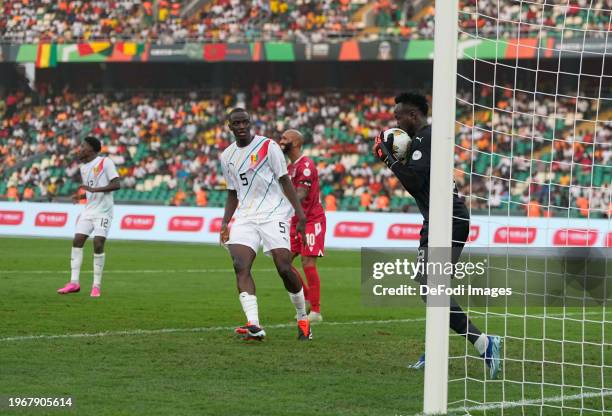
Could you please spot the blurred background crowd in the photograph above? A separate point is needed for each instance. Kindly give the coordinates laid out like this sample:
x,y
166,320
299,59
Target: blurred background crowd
x,y
542,157
175,21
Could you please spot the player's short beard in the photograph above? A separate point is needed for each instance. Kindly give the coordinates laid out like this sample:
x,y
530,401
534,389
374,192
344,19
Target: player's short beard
x,y
287,148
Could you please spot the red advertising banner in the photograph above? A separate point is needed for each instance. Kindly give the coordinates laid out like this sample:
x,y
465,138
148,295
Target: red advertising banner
x,y
51,219
11,217
137,222
353,229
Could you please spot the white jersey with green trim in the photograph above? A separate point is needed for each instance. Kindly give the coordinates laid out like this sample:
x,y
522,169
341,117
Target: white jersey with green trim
x,y
96,174
253,172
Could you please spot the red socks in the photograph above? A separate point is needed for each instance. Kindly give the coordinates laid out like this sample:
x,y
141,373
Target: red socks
x,y
314,288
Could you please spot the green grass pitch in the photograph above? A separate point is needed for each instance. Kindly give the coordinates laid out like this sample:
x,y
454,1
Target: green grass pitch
x,y
163,342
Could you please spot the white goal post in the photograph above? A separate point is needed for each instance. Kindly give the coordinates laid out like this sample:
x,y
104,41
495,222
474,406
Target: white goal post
x,y
522,120
441,201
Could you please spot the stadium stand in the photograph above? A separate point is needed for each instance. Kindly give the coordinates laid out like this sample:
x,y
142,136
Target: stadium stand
x,y
504,19
240,20
166,146
28,21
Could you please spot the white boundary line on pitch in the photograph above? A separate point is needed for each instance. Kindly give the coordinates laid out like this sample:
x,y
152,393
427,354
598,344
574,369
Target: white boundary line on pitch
x,y
215,328
225,270
201,329
530,402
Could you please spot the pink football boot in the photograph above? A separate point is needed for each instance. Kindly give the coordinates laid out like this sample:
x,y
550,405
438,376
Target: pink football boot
x,y
69,288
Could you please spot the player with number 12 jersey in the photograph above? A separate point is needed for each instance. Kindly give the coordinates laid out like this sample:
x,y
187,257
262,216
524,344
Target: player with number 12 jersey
x,y
100,178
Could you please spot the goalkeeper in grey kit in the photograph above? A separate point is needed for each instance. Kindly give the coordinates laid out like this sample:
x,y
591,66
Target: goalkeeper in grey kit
x,y
411,115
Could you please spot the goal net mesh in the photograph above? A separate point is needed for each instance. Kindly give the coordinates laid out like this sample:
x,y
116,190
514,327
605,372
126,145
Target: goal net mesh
x,y
533,160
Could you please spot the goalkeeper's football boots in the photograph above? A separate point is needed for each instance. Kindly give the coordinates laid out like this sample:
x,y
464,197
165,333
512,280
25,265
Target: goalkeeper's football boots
x,y
304,332
69,288
95,292
492,355
419,364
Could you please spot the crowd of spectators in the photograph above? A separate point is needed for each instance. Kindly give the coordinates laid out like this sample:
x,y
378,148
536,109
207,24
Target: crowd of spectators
x,y
30,21
505,19
535,154
301,21
543,154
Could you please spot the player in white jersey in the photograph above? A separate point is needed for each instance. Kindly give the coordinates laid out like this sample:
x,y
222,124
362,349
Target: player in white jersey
x,y
100,178
262,200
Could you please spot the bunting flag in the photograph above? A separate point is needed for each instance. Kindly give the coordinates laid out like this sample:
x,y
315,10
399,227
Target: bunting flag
x,y
91,48
256,51
129,48
46,56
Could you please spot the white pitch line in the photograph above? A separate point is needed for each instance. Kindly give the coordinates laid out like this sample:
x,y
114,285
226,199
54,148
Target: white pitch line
x,y
530,402
201,329
212,329
225,270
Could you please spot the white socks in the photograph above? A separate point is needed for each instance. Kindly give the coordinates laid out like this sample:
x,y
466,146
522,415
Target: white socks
x,y
300,304
249,306
76,259
482,343
98,266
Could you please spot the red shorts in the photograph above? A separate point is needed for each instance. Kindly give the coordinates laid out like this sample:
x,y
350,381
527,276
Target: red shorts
x,y
315,239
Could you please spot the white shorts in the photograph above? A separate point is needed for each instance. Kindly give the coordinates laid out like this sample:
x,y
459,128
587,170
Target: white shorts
x,y
271,234
99,226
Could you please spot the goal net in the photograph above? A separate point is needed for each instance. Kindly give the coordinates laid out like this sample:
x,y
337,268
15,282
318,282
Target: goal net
x,y
533,160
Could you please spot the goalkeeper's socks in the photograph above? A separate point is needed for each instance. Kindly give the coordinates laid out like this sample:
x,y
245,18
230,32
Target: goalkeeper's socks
x,y
76,260
300,304
482,343
249,306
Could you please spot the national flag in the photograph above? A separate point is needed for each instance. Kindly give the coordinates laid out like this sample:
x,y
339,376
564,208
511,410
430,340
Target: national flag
x,y
46,56
215,52
97,169
257,158
129,48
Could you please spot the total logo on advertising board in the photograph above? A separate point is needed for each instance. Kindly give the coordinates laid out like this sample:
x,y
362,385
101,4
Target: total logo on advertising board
x,y
51,219
137,222
474,233
404,232
215,225
187,224
515,235
353,229
575,237
11,217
